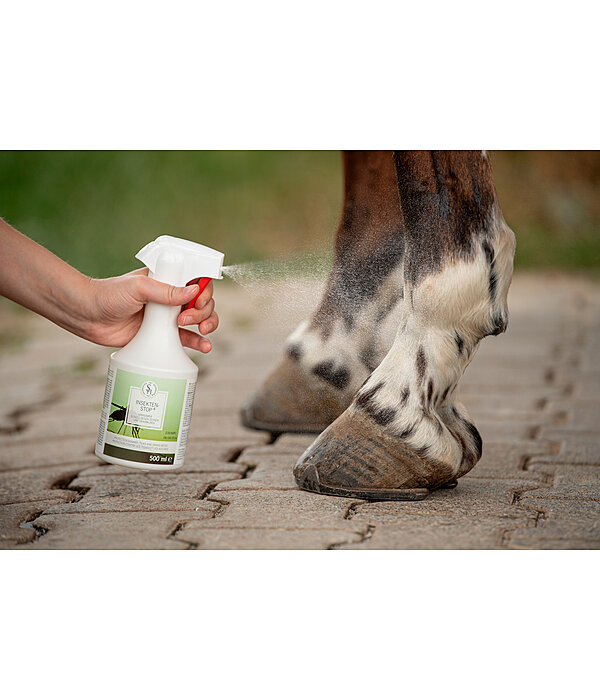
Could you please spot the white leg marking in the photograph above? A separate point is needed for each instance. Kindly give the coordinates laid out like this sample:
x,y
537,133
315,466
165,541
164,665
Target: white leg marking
x,y
451,311
344,347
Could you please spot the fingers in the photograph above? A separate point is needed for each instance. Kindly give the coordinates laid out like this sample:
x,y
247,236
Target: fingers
x,y
147,289
206,318
205,326
194,341
210,324
206,295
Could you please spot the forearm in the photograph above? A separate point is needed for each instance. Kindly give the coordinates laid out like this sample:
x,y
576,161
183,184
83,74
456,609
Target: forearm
x,y
35,278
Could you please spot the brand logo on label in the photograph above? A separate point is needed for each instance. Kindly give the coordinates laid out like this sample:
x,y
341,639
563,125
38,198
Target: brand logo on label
x,y
149,389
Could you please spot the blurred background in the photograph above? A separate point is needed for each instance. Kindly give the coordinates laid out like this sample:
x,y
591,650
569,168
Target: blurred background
x,y
96,209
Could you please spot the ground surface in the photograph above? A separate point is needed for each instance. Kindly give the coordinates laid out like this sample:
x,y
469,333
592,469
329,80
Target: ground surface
x,y
534,393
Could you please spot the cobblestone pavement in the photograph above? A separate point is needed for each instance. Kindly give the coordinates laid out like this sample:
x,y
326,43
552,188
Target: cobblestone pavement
x,y
534,394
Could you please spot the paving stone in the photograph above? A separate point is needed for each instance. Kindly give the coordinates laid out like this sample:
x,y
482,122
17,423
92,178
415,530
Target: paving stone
x,y
281,509
22,396
582,389
48,453
570,481
223,428
567,474
53,424
572,438
532,539
232,373
524,477
295,441
531,393
245,387
506,460
515,348
245,438
488,400
83,394
144,491
434,531
591,491
582,414
271,469
264,538
513,430
217,401
563,519
516,375
481,497
524,417
585,377
120,530
23,375
14,515
255,454
575,452
28,485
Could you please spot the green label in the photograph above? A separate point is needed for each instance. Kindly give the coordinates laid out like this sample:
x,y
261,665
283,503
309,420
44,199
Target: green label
x,y
145,407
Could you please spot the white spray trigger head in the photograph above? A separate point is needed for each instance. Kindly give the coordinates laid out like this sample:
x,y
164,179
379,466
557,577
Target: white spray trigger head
x,y
177,261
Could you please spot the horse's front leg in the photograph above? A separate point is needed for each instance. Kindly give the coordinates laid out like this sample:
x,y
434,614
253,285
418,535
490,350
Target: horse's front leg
x,y
329,356
405,433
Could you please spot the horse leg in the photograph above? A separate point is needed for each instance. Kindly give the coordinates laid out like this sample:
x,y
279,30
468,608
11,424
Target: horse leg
x,y
329,356
405,432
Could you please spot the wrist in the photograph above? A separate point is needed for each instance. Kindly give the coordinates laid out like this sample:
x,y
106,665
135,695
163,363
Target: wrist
x,y
85,308
73,301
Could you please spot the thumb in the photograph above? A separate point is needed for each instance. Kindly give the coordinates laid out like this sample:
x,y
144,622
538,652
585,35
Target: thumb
x,y
161,293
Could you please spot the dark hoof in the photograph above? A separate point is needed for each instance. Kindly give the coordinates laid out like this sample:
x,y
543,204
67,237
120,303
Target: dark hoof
x,y
355,458
291,400
307,479
450,484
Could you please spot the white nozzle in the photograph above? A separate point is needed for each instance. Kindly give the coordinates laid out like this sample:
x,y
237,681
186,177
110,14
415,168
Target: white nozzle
x,y
177,261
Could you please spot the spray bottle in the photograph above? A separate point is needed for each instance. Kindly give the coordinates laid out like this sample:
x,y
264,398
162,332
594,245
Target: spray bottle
x,y
151,381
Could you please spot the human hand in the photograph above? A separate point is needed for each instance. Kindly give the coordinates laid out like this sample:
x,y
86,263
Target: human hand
x,y
115,309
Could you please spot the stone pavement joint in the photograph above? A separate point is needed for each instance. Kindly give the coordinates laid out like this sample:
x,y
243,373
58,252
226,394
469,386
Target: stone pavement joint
x,y
533,392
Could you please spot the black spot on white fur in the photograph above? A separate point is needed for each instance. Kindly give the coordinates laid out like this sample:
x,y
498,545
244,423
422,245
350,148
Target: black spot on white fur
x,y
473,432
499,324
476,438
408,431
365,397
421,364
339,377
460,343
295,352
493,275
384,416
429,392
364,401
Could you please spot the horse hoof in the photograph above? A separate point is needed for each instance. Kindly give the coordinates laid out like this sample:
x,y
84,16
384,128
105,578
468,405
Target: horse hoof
x,y
355,458
292,400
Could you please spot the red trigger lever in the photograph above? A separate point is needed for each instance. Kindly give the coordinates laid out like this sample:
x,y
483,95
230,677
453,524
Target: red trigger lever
x,y
202,282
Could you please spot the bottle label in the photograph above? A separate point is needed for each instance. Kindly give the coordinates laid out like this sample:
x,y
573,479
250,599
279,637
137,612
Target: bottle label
x,y
145,419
